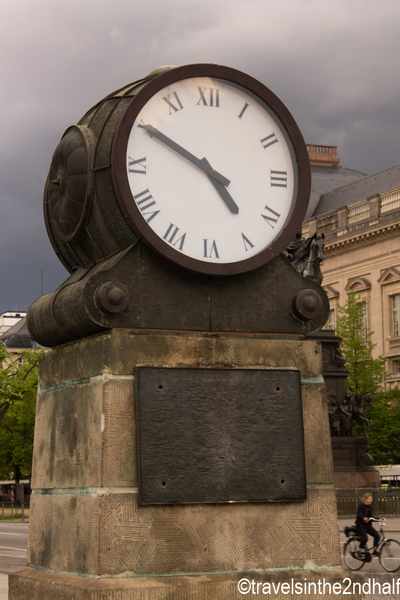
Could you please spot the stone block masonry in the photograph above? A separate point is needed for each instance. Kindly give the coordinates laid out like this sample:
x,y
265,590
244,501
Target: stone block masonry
x,y
90,539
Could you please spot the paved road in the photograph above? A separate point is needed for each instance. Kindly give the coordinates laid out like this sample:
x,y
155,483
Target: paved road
x,y
13,543
14,537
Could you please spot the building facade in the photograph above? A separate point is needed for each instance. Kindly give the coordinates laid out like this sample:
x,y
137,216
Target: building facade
x,y
361,224
8,319
15,335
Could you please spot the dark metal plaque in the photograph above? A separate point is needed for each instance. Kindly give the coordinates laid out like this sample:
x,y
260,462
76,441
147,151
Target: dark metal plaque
x,y
219,435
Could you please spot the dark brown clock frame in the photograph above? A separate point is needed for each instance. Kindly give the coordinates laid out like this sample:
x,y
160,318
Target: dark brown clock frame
x,y
295,142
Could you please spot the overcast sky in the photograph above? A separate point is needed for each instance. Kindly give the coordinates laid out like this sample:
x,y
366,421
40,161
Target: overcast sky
x,y
334,63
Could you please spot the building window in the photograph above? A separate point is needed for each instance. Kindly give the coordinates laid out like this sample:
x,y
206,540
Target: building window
x,y
363,321
396,366
331,324
396,315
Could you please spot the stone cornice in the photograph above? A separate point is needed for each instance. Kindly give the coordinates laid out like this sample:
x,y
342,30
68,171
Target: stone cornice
x,y
361,237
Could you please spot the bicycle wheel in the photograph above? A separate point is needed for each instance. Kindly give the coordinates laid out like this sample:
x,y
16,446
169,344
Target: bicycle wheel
x,y
350,555
389,555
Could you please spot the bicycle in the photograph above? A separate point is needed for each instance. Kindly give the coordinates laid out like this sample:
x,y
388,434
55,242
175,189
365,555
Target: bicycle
x,y
389,550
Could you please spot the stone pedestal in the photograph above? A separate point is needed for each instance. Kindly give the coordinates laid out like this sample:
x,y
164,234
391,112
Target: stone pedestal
x,y
88,536
301,585
357,479
353,463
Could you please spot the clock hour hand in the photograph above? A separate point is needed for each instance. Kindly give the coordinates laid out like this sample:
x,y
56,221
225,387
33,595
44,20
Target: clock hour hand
x,y
219,181
223,192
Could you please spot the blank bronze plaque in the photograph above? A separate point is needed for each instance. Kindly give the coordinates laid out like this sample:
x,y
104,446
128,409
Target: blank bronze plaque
x,y
219,435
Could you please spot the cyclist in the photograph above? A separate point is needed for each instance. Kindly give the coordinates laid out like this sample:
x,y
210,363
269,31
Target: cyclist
x,y
364,512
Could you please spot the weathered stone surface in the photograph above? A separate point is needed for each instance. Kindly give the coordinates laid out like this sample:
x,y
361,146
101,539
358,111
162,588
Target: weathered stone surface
x,y
119,352
64,532
317,439
37,585
201,538
107,533
86,425
68,437
85,435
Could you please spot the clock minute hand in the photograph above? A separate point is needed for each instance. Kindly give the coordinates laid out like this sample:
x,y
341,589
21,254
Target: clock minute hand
x,y
219,181
202,163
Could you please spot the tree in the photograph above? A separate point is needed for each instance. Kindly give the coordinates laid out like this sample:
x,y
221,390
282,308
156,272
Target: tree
x,y
368,375
18,387
384,416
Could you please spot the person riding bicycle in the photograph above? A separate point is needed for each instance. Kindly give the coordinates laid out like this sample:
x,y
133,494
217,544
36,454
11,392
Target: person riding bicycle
x,y
364,512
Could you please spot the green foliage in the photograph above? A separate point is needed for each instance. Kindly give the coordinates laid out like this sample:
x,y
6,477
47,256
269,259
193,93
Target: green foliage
x,y
384,416
18,386
366,374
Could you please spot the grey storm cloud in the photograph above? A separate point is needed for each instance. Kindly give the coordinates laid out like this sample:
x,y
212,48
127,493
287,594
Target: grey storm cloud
x,y
333,63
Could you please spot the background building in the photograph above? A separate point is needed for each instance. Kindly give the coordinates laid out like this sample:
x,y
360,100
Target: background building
x,y
8,319
14,333
360,217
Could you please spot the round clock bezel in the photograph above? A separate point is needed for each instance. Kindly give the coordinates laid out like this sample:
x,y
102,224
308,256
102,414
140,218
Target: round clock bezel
x,y
132,213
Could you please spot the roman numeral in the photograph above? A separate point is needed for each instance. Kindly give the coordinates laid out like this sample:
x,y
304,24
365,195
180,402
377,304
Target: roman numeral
x,y
270,219
247,243
269,140
279,179
243,110
171,234
212,97
212,252
141,162
171,105
145,202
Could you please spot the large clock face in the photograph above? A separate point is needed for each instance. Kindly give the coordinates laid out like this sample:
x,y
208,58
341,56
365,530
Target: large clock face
x,y
207,170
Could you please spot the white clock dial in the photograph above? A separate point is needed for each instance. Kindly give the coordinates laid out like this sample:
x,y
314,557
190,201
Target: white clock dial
x,y
212,172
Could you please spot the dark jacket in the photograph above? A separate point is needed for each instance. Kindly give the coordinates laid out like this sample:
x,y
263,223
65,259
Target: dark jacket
x,y
363,510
